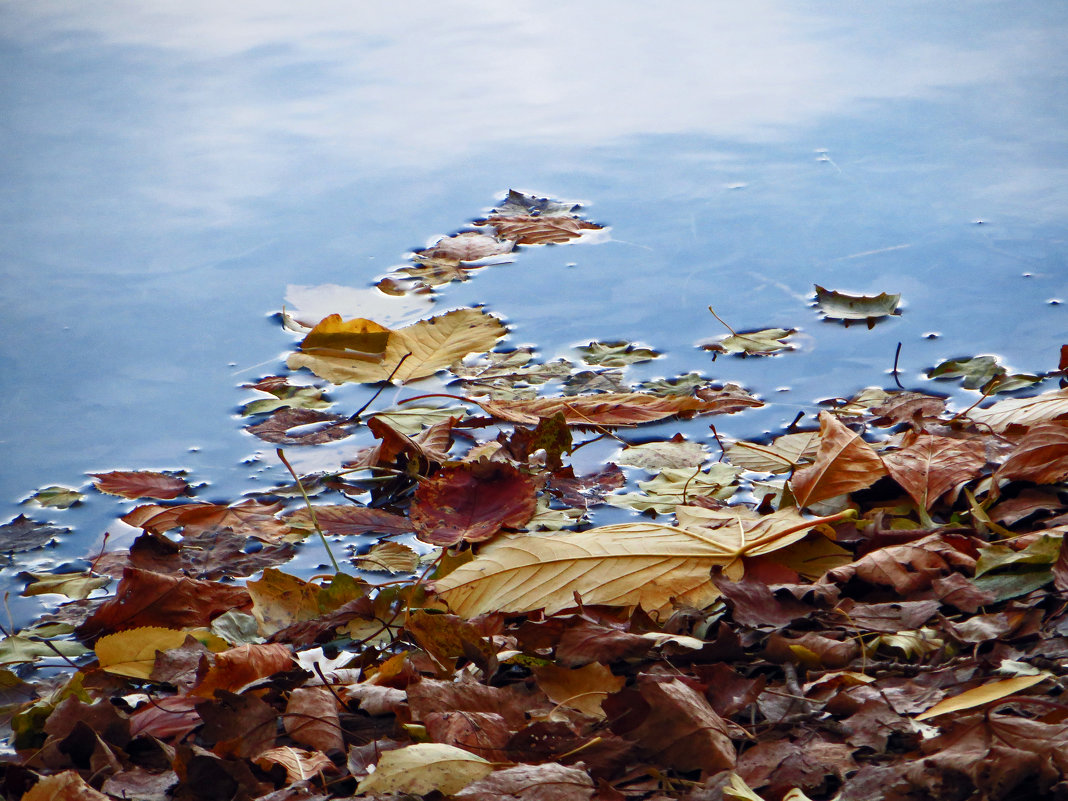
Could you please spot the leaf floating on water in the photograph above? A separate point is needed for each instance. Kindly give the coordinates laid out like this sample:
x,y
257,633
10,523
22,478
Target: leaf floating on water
x,y
675,453
391,557
424,348
982,373
610,409
841,306
782,455
616,354
755,343
301,427
57,497
140,484
466,246
679,485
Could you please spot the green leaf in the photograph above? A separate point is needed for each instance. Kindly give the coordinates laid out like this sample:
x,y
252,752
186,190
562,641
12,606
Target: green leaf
x,y
976,371
841,306
1041,551
57,497
616,354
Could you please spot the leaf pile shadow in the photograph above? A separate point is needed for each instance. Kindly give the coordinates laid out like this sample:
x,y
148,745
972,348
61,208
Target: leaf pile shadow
x,y
874,609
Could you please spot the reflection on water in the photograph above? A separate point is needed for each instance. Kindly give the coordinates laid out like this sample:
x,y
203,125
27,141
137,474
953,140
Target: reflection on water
x,y
172,170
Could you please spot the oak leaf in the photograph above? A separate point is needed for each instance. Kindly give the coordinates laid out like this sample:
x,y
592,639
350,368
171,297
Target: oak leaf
x,y
425,347
844,463
929,466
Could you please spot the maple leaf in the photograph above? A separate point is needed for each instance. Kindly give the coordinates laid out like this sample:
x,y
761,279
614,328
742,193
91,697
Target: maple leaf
x,y
929,466
844,463
630,564
842,306
472,502
140,484
425,347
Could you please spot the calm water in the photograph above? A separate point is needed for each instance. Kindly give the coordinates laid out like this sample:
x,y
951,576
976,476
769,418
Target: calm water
x,y
170,170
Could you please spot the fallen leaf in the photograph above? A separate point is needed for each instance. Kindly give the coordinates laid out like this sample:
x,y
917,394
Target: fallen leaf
x,y
1024,412
300,765
616,354
579,688
842,306
465,246
782,455
980,696
412,418
527,229
235,668
133,652
57,497
612,409
65,786
140,484
929,466
425,347
295,427
630,564
1041,456
72,585
279,600
472,502
754,343
548,781
391,557
423,768
653,456
311,718
844,463
346,520
674,486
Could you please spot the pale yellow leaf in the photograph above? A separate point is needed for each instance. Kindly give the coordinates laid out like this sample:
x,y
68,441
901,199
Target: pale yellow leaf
x,y
781,456
1024,412
987,693
300,765
133,652
425,347
422,768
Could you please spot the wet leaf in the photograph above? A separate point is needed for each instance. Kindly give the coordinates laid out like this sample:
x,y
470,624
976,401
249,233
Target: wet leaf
x,y
782,455
613,409
465,246
140,484
754,343
72,585
674,486
653,456
346,520
19,648
301,427
472,502
358,339
976,372
23,534
411,418
391,557
425,347
842,306
57,497
844,463
423,768
616,354
289,398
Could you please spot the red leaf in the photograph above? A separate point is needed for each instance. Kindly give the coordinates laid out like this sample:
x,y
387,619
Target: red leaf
x,y
140,484
472,502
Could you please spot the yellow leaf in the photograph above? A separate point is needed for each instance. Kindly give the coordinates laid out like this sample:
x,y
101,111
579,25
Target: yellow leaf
x,y
133,652
279,599
630,564
580,688
422,768
988,693
425,347
359,339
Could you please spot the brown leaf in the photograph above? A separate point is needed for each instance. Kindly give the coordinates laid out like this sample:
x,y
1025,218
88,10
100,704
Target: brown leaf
x,y
431,445
251,518
345,520
538,230
550,781
673,724
581,688
144,598
311,719
465,246
278,426
929,466
911,567
140,484
472,502
1041,456
240,666
844,463
608,409
300,765
482,733
238,725
582,492
65,786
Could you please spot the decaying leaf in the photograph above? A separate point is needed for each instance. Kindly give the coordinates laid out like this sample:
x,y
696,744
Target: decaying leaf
x,y
425,347
140,484
23,534
842,306
675,453
929,466
678,485
616,354
611,409
1041,456
300,765
465,246
754,343
423,768
986,694
57,497
782,455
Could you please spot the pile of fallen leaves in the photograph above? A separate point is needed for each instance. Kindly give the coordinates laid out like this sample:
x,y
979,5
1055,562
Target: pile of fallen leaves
x,y
877,608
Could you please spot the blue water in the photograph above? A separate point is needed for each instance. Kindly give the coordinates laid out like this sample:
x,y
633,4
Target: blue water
x,y
169,170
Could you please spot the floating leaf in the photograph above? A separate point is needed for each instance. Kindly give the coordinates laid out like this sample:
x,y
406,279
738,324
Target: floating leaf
x,y
682,385
346,520
391,557
289,398
631,564
301,427
654,456
422,768
844,463
619,409
23,534
841,306
674,486
976,372
140,484
411,418
616,354
754,343
465,246
981,696
783,455
72,585
57,497
425,347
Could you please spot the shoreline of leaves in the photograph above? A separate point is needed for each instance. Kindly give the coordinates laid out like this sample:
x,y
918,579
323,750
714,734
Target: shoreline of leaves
x,y
874,608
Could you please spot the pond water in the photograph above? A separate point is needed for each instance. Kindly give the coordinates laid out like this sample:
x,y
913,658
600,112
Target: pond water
x,y
173,171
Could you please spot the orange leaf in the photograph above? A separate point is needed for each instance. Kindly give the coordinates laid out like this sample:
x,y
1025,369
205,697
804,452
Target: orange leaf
x,y
930,466
1041,456
243,665
140,484
844,463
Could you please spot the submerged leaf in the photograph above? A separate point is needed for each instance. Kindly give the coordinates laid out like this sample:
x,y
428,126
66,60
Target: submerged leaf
x,y
23,534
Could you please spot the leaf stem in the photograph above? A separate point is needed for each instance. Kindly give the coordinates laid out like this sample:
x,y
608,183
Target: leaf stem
x,y
311,510
722,321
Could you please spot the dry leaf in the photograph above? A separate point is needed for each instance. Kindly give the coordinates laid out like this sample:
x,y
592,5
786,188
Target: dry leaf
x,y
423,768
930,466
140,484
133,652
608,409
844,463
1024,412
300,765
979,696
1041,456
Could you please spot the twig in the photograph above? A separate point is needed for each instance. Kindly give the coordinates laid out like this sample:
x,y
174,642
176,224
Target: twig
x,y
311,509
